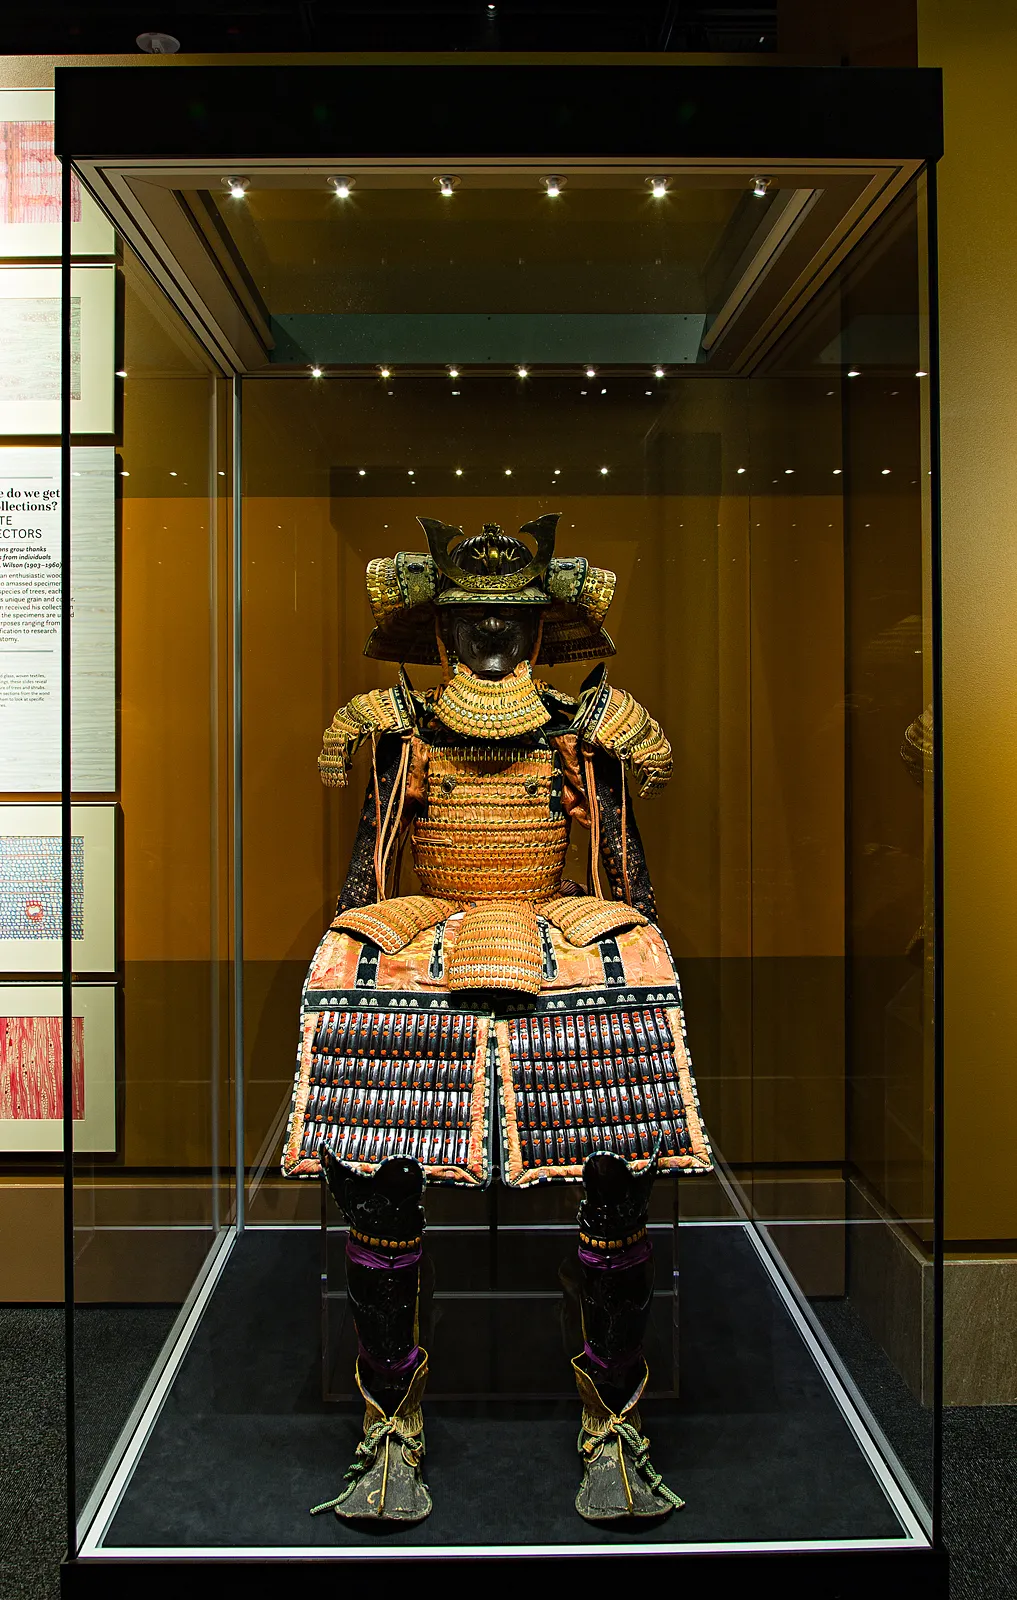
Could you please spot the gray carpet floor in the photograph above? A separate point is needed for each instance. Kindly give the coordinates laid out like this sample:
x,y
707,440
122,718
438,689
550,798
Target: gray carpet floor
x,y
116,1348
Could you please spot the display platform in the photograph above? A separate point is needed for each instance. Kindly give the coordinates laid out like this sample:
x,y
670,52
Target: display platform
x,y
763,1444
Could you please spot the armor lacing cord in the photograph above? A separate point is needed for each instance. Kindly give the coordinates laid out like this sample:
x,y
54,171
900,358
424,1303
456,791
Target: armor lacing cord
x,y
625,835
626,1433
594,805
392,826
377,816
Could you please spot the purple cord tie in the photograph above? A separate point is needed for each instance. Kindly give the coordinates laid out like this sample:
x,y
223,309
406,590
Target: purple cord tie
x,y
380,1260
617,1260
401,1368
620,1363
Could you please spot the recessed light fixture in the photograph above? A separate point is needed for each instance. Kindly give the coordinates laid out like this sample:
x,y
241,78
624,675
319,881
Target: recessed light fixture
x,y
121,373
603,472
454,391
342,186
788,472
885,472
222,474
237,187
453,372
557,472
362,473
411,473
315,372
591,372
657,187
658,372
553,186
921,373
740,471
524,372
760,186
125,474
853,372
836,472
508,472
459,472
447,185
385,372
603,391
172,474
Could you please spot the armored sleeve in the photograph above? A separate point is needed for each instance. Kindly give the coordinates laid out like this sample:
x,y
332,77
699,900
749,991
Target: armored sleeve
x,y
612,720
360,887
609,780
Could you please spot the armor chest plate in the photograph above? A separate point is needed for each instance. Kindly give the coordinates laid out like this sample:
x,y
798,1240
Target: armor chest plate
x,y
493,828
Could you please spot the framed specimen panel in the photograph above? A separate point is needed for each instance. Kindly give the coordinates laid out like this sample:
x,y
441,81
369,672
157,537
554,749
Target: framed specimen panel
x,y
31,920
30,350
30,185
31,1067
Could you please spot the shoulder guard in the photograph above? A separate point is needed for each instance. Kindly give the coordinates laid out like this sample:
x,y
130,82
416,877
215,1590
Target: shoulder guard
x,y
559,700
378,711
610,719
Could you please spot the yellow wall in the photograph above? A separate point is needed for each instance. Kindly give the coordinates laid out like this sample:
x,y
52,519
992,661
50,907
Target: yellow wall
x,y
976,44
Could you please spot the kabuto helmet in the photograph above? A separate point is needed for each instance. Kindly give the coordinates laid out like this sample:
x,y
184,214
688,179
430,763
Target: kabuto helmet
x,y
488,568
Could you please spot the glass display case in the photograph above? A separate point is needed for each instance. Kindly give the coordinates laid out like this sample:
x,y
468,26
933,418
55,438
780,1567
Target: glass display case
x,y
690,313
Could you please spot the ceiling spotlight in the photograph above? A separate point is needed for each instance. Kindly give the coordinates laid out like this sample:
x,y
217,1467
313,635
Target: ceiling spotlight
x,y
836,472
411,473
315,372
453,372
342,186
508,472
157,44
657,187
658,372
237,187
447,185
853,372
553,186
524,372
603,472
459,472
125,474
886,472
788,471
760,186
362,473
121,373
384,372
557,472
740,471
921,373
591,372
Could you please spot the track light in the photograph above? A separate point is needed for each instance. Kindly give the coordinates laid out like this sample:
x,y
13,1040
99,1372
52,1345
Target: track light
x,y
553,186
237,187
760,186
657,187
447,185
342,186
315,372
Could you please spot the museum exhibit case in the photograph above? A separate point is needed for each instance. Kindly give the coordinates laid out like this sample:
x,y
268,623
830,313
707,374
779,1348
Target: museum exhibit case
x,y
552,447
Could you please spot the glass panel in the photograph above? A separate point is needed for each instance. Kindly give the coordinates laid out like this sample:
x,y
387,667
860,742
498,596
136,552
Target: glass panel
x,y
859,447
758,485
152,1183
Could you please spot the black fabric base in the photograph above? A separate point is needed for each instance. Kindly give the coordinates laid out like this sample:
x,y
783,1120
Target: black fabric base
x,y
245,1445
